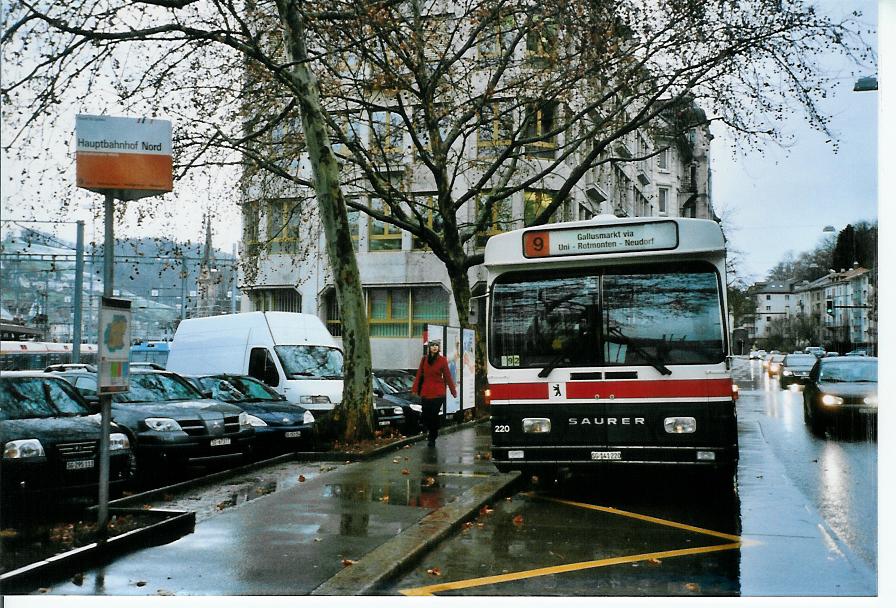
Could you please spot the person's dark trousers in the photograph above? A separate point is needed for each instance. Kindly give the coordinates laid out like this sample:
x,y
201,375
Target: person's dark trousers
x,y
432,408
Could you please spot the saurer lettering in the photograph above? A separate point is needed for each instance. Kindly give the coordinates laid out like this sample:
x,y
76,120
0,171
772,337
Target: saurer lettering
x,y
606,421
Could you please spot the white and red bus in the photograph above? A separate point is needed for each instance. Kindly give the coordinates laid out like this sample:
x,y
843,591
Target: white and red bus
x,y
608,345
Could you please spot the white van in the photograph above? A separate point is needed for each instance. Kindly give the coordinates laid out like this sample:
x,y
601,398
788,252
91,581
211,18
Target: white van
x,y
292,352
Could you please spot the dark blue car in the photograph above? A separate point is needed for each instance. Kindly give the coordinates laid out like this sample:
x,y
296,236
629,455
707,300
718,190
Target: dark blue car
x,y
279,426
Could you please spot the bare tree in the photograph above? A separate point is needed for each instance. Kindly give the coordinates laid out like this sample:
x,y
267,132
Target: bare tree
x,y
194,60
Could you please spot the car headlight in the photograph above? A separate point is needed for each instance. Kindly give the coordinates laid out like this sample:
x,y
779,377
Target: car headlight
x,y
397,410
832,400
23,448
162,424
251,420
417,408
314,399
787,372
244,420
119,442
308,418
870,400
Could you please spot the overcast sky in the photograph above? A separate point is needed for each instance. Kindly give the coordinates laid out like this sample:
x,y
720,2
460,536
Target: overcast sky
x,y
780,200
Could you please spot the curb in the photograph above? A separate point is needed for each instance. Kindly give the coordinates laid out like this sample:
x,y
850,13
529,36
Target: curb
x,y
171,526
397,554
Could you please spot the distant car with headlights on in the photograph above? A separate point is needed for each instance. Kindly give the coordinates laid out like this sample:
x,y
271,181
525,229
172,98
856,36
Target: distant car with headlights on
x,y
795,368
170,423
775,364
51,440
280,426
841,390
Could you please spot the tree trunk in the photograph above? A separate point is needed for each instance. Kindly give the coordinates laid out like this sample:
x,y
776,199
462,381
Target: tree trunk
x,y
354,416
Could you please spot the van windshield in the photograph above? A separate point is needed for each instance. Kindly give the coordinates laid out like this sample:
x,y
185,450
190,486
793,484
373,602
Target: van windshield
x,y
312,362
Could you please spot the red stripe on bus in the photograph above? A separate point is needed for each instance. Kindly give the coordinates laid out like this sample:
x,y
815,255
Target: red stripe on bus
x,y
625,389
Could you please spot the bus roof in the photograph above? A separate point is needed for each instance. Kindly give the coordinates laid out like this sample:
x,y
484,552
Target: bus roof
x,y
605,238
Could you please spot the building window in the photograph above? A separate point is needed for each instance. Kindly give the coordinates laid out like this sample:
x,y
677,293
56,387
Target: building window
x,y
395,312
387,134
283,225
495,130
536,201
496,37
500,218
768,307
663,196
662,160
540,122
251,222
768,318
382,236
541,39
280,299
768,298
427,206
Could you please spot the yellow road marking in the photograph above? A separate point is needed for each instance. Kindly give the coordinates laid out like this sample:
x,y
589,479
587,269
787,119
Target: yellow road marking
x,y
655,520
612,561
515,576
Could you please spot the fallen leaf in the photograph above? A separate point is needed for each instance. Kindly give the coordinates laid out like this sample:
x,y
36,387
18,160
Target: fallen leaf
x,y
479,524
434,572
140,583
43,590
486,510
405,472
385,498
348,562
429,481
164,592
518,520
468,525
654,561
317,540
301,478
395,460
692,587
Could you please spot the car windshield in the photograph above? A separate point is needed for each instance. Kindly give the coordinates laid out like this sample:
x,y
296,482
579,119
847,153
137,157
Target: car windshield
x,y
237,389
156,388
848,371
800,360
37,398
655,315
396,383
312,362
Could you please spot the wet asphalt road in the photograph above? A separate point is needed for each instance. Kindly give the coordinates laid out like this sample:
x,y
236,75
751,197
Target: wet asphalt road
x,y
806,513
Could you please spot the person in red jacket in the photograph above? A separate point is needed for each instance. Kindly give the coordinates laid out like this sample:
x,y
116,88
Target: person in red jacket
x,y
432,377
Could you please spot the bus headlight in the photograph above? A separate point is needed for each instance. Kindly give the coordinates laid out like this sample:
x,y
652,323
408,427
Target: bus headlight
x,y
832,400
536,425
680,424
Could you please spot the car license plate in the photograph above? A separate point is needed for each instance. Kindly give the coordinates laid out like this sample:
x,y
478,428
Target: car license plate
x,y
78,465
867,410
291,434
606,455
384,423
222,441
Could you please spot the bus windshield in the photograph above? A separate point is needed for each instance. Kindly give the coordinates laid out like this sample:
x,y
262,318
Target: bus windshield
x,y
647,315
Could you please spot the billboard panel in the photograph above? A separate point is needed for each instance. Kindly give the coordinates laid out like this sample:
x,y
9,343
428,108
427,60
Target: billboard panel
x,y
451,348
114,345
468,367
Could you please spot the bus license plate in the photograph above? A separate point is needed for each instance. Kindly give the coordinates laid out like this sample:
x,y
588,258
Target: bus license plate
x,y
291,434
606,455
78,465
384,423
222,441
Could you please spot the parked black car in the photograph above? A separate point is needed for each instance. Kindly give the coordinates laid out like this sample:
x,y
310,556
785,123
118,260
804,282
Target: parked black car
x,y
170,423
51,440
795,368
395,386
279,426
841,390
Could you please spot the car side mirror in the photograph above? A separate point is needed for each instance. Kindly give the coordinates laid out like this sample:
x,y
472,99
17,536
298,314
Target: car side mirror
x,y
378,392
207,395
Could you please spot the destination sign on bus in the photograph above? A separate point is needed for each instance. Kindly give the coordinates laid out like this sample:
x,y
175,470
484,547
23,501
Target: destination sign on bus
x,y
651,236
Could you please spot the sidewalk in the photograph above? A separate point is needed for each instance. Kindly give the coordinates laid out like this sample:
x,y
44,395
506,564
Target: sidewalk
x,y
340,533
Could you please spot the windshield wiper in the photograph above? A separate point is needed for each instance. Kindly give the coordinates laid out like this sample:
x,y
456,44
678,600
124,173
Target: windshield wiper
x,y
654,361
552,365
